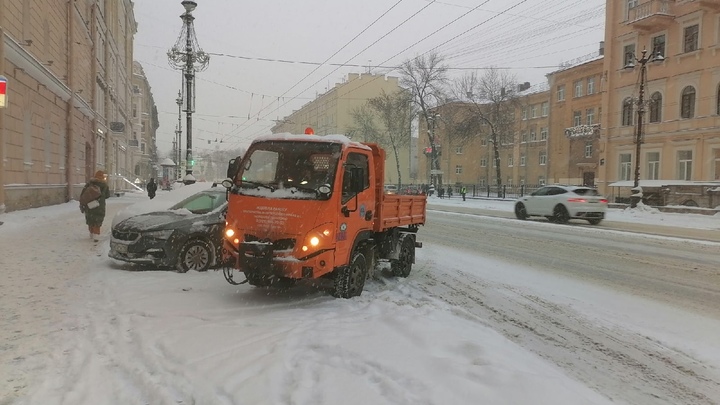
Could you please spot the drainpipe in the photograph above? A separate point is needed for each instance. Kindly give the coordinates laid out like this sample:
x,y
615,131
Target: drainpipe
x,y
70,104
2,110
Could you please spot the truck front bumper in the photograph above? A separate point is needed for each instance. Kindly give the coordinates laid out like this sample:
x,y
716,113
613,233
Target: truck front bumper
x,y
262,259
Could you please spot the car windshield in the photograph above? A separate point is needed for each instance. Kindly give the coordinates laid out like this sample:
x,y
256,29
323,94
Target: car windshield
x,y
201,203
291,170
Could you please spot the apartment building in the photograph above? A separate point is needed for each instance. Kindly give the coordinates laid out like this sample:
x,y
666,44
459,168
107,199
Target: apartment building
x,y
575,115
144,126
681,127
68,67
531,161
331,113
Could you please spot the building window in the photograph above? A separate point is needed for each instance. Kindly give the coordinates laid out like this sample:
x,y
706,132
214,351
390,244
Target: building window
x,y
625,166
458,169
495,162
590,116
483,162
533,111
658,46
523,159
483,141
523,137
577,118
510,160
590,85
545,109
524,113
656,107
632,4
561,93
691,38
628,54
687,102
588,150
653,165
541,180
543,134
542,158
578,89
458,150
627,112
533,136
685,165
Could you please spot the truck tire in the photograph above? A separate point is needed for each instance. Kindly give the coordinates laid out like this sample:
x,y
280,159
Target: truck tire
x,y
402,266
350,280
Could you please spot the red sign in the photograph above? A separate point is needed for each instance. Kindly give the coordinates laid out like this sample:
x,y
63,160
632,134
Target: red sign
x,y
3,91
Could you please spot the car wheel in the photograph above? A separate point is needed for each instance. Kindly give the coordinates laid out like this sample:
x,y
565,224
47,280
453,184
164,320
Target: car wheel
x,y
594,221
350,280
402,266
561,214
196,255
521,211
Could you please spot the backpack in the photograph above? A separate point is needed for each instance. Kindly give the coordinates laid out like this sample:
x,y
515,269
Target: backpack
x,y
91,193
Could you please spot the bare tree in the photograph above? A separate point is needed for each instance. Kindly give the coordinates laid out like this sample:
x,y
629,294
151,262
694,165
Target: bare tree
x,y
426,78
395,112
364,128
492,98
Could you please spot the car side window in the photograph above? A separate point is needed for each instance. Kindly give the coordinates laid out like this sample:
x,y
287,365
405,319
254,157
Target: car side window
x,y
540,192
354,160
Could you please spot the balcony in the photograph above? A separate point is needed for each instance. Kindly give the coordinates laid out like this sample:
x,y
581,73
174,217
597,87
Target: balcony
x,y
653,15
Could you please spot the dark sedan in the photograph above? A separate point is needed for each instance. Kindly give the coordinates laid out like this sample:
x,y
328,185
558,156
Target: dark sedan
x,y
188,236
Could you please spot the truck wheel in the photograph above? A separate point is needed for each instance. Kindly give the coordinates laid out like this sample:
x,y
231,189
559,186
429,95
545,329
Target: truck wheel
x,y
402,266
350,280
195,255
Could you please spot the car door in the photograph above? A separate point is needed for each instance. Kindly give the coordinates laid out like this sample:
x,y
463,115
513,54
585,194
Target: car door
x,y
533,202
551,199
357,209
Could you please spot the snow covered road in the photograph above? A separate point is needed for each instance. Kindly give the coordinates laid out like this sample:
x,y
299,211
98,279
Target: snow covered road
x,y
496,311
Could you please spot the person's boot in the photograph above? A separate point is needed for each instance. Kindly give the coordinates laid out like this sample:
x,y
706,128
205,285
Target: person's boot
x,y
91,231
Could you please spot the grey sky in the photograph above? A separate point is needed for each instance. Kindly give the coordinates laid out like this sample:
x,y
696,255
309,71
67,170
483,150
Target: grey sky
x,y
530,36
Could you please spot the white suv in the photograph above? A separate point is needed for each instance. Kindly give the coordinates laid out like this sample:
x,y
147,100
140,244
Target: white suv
x,y
562,203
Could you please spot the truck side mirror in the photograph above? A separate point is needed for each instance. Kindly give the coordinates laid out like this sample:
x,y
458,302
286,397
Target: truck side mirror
x,y
233,167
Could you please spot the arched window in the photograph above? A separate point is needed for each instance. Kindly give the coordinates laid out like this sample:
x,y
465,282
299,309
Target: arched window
x,y
687,102
656,107
627,112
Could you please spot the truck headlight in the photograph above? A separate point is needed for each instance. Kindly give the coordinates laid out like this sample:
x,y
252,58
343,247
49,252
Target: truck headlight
x,y
321,236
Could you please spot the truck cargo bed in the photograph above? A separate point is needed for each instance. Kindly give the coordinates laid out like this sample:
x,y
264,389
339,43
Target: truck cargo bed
x,y
400,210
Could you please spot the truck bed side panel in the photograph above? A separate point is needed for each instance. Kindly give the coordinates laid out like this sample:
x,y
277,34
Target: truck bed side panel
x,y
400,210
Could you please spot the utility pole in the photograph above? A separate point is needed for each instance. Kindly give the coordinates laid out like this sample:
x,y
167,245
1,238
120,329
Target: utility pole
x,y
178,135
187,56
637,191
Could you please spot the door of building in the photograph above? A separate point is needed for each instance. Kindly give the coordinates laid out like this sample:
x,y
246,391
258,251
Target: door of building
x,y
589,179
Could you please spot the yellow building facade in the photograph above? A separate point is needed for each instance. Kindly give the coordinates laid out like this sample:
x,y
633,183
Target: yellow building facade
x,y
69,67
331,113
680,139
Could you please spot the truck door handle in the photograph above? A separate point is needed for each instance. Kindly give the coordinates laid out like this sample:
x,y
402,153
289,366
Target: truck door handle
x,y
368,216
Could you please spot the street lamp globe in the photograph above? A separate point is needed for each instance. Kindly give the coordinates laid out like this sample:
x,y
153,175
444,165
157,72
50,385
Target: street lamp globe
x,y
189,5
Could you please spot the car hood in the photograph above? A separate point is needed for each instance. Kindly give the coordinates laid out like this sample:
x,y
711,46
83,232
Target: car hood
x,y
158,221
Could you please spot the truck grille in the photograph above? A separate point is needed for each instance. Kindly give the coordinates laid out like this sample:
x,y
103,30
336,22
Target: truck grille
x,y
279,244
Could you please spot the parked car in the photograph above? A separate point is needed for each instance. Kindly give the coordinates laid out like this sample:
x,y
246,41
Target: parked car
x,y
562,203
391,189
187,236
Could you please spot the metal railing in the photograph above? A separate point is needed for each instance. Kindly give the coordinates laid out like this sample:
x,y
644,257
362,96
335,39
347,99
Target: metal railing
x,y
649,8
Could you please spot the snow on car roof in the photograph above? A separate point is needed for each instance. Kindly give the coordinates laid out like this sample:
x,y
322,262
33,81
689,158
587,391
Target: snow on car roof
x,y
335,138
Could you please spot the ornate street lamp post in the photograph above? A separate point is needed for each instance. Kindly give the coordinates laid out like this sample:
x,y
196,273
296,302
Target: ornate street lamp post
x,y
187,56
178,135
637,191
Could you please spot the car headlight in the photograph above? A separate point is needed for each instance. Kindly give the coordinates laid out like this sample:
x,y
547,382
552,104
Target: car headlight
x,y
320,237
159,234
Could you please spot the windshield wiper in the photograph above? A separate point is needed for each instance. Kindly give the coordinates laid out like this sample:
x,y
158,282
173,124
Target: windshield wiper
x,y
258,184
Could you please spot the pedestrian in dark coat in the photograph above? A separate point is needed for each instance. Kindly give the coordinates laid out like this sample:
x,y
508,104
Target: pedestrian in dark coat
x,y
151,188
95,216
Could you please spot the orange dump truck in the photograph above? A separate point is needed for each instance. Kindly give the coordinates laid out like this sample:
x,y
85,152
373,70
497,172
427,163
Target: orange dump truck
x,y
308,207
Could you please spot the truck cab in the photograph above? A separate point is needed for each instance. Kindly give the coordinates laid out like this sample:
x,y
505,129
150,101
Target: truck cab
x,y
307,206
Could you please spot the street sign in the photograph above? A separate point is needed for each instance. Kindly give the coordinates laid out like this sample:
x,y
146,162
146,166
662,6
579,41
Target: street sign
x,y
3,91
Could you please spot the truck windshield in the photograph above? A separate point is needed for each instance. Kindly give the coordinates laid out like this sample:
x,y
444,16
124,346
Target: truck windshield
x,y
289,169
